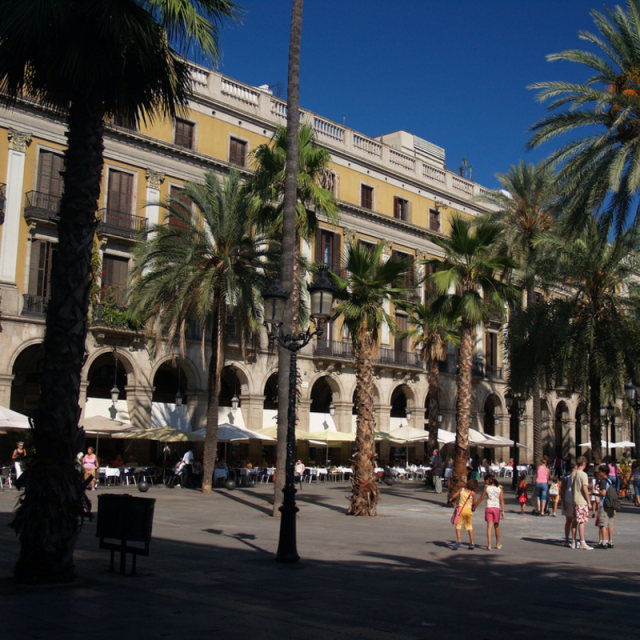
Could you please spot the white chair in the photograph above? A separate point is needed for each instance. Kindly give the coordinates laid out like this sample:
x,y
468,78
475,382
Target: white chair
x,y
5,477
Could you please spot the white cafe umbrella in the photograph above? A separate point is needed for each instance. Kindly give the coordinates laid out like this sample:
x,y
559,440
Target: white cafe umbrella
x,y
231,433
13,420
101,425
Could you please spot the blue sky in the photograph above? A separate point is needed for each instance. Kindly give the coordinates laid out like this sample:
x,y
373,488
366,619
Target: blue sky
x,y
454,72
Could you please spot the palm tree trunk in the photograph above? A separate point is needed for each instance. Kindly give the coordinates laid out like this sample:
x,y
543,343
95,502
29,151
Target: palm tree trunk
x,y
288,240
216,364
463,409
595,428
433,396
49,515
535,397
365,495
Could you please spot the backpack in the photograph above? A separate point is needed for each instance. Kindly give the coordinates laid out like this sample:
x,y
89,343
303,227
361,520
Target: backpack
x,y
611,498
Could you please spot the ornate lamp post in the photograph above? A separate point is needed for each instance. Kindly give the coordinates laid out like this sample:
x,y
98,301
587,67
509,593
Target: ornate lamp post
x,y
606,413
115,392
321,292
633,397
515,407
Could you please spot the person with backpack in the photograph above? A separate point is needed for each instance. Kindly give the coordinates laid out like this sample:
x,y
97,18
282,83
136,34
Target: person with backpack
x,y
609,504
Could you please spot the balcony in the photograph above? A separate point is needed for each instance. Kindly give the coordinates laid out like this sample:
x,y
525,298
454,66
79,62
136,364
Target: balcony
x,y
117,224
34,306
333,349
41,207
398,358
482,370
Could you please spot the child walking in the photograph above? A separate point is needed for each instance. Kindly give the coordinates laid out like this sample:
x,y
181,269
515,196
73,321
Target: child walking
x,y
494,511
523,498
554,494
466,499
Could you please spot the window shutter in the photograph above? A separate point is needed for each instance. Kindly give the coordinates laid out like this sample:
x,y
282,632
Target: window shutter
x,y
34,267
336,256
318,252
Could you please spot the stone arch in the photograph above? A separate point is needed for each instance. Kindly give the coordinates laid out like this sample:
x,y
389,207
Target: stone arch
x,y
401,398
187,368
234,382
21,348
492,417
270,392
558,445
336,386
26,368
322,393
581,434
129,365
170,376
100,373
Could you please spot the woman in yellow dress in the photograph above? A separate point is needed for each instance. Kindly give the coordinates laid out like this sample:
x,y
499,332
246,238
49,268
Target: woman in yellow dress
x,y
466,498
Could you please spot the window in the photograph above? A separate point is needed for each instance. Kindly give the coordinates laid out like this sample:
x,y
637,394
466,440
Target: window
x,y
401,209
491,356
120,192
434,220
184,134
366,197
409,280
125,123
328,250
42,253
329,181
185,208
400,344
115,271
237,152
50,167
370,246
430,291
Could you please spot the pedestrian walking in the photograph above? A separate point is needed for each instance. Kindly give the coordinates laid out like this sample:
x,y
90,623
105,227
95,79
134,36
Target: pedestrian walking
x,y
606,520
494,511
580,497
522,493
554,494
635,478
437,467
567,501
542,485
464,508
595,495
18,457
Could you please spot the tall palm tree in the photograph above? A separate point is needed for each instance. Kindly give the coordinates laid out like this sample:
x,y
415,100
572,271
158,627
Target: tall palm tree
x,y
86,60
526,207
210,266
267,187
432,333
469,289
601,168
361,294
589,338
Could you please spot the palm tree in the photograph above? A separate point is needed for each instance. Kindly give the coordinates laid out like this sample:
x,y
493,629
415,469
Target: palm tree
x,y
589,338
88,61
432,334
361,294
525,210
469,270
604,162
267,187
206,268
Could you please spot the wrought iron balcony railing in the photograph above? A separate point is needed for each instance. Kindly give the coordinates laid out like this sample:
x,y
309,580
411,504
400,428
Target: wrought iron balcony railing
x,y
399,358
333,349
35,306
119,224
41,207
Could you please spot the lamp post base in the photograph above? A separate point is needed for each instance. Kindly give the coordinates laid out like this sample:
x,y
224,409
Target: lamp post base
x,y
287,545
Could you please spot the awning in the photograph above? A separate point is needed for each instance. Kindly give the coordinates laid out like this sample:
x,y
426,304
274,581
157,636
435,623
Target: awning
x,y
232,433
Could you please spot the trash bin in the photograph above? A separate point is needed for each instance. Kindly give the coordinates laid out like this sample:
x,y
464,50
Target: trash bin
x,y
125,519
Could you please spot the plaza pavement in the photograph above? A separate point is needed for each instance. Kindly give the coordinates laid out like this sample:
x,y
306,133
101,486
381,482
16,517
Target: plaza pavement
x,y
211,574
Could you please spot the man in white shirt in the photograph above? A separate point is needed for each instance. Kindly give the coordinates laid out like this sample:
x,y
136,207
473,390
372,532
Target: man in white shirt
x,y
187,472
580,492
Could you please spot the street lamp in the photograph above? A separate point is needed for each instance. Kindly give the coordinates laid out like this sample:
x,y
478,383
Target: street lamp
x,y
633,398
409,415
115,392
332,409
235,402
179,396
515,407
606,413
321,293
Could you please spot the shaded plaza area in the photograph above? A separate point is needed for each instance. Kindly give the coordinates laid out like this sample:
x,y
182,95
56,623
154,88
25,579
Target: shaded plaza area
x,y
211,571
